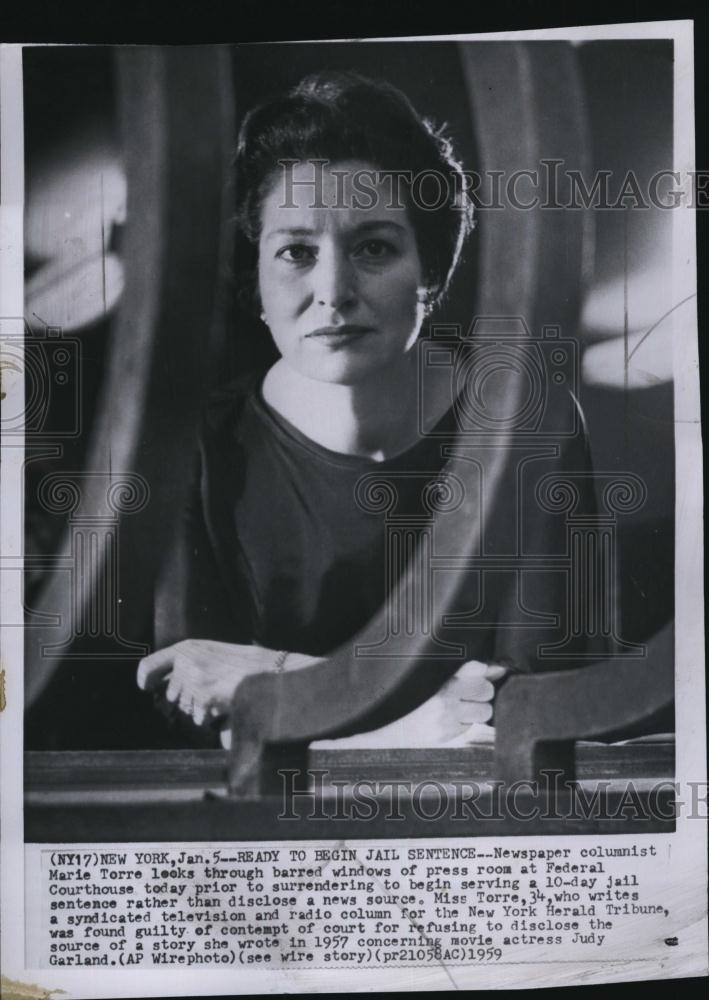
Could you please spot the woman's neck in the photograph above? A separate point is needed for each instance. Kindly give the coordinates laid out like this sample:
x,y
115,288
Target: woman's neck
x,y
375,419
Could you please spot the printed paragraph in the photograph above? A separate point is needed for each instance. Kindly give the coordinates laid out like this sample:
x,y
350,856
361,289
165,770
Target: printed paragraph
x,y
348,906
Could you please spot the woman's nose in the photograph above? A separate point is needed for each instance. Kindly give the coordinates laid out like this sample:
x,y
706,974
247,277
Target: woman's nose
x,y
335,284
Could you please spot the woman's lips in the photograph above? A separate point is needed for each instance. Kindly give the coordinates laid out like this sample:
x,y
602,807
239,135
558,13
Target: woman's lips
x,y
339,334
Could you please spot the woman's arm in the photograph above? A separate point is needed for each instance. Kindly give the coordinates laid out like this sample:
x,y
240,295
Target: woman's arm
x,y
202,676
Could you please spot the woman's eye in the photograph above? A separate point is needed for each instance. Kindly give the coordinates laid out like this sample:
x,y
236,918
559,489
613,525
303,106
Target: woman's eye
x,y
375,249
297,253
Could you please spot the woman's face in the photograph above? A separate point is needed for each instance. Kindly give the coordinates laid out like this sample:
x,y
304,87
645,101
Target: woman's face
x,y
340,275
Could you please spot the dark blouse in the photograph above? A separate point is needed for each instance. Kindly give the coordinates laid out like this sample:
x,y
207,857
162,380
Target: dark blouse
x,y
277,548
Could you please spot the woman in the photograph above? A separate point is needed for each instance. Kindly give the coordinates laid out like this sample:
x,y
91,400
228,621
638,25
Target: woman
x,y
277,564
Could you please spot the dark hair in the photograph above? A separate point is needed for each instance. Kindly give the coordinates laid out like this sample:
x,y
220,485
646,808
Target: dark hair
x,y
344,116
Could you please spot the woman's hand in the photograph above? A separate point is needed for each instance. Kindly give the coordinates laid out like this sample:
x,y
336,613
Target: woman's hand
x,y
457,714
202,675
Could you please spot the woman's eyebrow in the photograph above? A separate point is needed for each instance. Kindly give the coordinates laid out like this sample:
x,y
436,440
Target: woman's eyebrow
x,y
295,231
360,227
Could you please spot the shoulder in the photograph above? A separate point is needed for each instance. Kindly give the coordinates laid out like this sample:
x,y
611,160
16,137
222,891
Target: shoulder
x,y
225,405
222,446
222,437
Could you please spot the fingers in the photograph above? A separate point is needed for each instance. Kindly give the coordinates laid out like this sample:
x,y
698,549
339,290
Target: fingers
x,y
470,693
200,682
152,669
186,703
475,681
479,690
471,670
202,675
180,690
495,672
173,689
201,712
205,703
474,669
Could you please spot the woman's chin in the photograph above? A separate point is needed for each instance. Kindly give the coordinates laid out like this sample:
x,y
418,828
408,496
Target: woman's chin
x,y
339,369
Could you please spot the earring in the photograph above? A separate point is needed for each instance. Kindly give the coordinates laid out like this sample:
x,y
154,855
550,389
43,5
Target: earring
x,y
425,297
